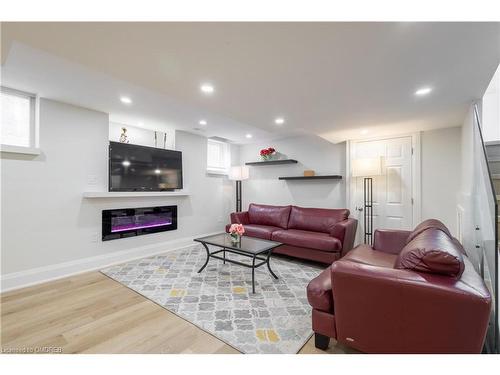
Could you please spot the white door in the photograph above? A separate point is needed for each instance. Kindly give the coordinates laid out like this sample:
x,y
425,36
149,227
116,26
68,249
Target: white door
x,y
392,190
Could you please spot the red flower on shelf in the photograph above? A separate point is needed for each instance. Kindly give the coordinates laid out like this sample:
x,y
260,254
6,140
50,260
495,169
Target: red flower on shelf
x,y
266,153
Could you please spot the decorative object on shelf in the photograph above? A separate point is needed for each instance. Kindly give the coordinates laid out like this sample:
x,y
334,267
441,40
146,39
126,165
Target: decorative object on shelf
x,y
156,139
238,174
309,173
164,140
267,153
123,136
236,231
362,168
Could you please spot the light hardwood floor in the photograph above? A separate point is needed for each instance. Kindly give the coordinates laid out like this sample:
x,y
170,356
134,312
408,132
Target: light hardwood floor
x,y
91,313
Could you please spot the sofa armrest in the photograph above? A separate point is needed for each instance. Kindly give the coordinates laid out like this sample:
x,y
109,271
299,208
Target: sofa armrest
x,y
319,292
390,240
240,218
345,231
386,310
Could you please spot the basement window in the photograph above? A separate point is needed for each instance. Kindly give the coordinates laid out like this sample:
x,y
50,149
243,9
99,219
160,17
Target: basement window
x,y
18,121
218,157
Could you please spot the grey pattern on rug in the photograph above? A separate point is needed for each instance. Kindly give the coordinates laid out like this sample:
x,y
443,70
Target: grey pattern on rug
x,y
219,300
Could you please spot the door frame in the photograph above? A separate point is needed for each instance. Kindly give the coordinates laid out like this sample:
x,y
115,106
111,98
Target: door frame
x,y
416,172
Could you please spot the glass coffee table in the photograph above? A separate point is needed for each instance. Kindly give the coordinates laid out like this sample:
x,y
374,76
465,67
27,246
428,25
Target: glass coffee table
x,y
259,250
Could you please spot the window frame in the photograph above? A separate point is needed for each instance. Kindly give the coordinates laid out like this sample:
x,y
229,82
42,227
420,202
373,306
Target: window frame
x,y
33,148
227,158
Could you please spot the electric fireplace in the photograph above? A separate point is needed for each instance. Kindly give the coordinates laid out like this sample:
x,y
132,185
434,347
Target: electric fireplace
x,y
129,222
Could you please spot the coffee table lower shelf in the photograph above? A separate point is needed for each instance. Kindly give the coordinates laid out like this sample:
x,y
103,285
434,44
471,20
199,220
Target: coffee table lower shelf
x,y
253,265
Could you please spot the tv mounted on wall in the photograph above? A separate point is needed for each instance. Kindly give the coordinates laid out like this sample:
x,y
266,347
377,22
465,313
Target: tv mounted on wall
x,y
141,168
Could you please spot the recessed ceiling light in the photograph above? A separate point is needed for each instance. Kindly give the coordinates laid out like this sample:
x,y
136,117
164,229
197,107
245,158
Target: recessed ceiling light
x,y
126,100
157,171
125,163
423,91
248,135
279,121
364,131
140,123
202,122
207,88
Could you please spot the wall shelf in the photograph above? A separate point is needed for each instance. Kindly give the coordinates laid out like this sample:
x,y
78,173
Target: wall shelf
x,y
326,177
134,194
272,162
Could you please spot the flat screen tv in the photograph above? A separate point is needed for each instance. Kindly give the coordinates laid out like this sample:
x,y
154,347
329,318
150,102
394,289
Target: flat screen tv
x,y
141,168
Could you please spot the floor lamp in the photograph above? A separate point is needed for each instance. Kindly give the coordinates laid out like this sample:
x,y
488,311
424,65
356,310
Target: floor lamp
x,y
238,174
367,168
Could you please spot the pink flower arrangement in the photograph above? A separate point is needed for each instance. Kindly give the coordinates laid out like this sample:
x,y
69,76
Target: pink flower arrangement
x,y
266,153
237,229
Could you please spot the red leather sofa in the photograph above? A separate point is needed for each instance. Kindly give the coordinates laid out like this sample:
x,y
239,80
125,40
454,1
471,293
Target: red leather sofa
x,y
412,292
318,234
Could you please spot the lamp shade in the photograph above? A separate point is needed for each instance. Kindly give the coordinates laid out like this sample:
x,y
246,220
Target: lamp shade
x,y
367,167
239,173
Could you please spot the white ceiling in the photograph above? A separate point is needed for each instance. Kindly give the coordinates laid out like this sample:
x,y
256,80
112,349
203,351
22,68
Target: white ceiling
x,y
332,79
51,77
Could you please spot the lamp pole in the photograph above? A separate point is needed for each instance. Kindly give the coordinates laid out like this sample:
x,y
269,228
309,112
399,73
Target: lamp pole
x,y
363,167
238,195
368,209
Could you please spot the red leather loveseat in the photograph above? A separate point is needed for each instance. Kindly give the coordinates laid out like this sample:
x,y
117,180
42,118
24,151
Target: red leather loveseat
x,y
318,234
412,292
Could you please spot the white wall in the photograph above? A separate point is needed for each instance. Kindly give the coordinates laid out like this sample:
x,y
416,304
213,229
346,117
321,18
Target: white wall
x,y
312,152
441,175
440,170
47,223
491,110
143,137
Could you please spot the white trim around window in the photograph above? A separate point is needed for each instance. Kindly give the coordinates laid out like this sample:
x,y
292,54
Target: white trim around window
x,y
33,147
218,157
20,150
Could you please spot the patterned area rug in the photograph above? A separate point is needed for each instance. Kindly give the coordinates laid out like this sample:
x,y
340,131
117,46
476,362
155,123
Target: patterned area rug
x,y
219,300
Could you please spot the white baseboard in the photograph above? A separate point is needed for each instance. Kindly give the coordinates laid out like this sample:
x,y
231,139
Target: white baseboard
x,y
22,279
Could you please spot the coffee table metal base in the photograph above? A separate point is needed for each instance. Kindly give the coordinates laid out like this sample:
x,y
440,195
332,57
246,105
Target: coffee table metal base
x,y
253,266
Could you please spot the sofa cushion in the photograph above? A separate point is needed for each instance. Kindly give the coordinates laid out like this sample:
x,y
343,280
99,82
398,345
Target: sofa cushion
x,y
366,255
316,219
434,252
311,240
262,214
260,231
428,224
319,291
390,240
325,257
